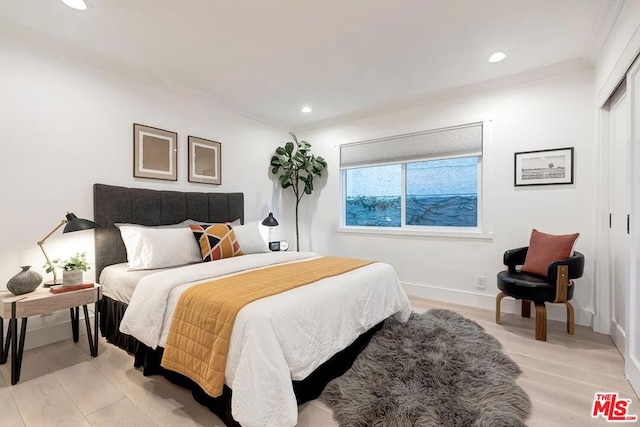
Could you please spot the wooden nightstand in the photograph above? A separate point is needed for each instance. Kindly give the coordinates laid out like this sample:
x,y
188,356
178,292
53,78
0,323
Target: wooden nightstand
x,y
42,301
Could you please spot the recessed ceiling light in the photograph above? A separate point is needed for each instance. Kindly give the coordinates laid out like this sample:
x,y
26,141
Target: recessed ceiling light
x,y
306,109
76,4
497,57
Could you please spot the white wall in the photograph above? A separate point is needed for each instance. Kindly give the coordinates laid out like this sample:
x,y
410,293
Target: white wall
x,y
553,112
68,125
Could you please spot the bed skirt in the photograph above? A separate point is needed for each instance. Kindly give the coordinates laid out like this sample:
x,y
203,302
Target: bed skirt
x,y
111,313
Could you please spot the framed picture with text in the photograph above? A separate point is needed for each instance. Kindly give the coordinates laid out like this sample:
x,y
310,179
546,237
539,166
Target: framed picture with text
x,y
205,161
155,154
544,167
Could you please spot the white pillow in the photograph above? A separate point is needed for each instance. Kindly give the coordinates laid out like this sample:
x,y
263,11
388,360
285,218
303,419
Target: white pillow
x,y
186,223
149,248
250,239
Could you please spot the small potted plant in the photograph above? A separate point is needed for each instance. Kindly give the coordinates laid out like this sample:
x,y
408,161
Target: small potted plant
x,y
72,268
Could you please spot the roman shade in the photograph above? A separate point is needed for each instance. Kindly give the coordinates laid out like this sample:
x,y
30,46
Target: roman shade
x,y
456,141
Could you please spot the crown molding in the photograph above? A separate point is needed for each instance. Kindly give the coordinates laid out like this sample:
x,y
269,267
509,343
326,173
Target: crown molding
x,y
84,57
74,53
458,92
607,16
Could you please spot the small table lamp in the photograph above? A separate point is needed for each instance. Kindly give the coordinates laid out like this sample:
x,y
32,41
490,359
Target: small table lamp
x,y
270,222
73,223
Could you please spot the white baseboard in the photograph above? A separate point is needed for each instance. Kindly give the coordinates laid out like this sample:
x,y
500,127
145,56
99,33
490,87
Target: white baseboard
x,y
618,335
477,299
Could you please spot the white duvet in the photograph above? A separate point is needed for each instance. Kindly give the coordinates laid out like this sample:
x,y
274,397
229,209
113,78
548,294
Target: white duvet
x,y
274,339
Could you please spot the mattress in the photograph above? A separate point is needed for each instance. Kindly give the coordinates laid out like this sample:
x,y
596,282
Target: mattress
x,y
118,281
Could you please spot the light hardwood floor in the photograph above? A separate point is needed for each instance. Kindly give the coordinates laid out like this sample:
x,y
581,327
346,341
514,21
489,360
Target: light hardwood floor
x,y
61,384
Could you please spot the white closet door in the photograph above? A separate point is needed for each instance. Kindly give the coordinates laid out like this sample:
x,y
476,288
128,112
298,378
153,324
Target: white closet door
x,y
620,208
632,354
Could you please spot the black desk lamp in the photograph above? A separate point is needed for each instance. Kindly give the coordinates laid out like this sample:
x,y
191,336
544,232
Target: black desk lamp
x,y
271,222
73,223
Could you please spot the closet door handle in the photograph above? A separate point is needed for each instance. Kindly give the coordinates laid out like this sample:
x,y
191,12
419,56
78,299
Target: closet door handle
x,y
628,220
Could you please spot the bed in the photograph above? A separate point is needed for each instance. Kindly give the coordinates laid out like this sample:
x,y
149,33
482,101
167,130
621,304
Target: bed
x,y
317,314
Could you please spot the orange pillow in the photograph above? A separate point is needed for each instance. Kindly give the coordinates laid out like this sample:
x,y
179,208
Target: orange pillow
x,y
545,249
216,241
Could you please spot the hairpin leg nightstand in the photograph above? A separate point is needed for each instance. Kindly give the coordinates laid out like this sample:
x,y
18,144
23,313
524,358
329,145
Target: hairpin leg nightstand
x,y
42,301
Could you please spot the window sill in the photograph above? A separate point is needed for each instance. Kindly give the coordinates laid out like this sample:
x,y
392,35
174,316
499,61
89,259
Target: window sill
x,y
456,234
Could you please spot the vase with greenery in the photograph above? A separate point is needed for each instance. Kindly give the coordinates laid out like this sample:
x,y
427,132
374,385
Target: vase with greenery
x,y
72,268
295,167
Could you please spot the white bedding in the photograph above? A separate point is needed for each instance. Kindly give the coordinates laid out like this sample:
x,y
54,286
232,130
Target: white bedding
x,y
118,282
274,339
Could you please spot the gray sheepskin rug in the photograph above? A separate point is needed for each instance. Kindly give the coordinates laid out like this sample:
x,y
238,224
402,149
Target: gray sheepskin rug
x,y
438,369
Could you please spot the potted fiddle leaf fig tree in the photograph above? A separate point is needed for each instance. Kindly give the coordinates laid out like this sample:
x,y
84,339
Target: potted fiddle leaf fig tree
x,y
295,167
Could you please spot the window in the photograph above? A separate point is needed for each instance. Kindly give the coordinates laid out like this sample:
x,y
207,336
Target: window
x,y
442,193
424,181
374,196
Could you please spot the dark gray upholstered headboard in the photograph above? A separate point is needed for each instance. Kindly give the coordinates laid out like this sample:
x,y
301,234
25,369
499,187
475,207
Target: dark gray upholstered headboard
x,y
152,207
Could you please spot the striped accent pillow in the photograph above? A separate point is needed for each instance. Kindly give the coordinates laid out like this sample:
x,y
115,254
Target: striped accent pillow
x,y
216,241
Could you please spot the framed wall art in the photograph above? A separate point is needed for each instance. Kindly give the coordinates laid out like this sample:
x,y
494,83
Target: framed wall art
x,y
544,167
155,153
205,161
